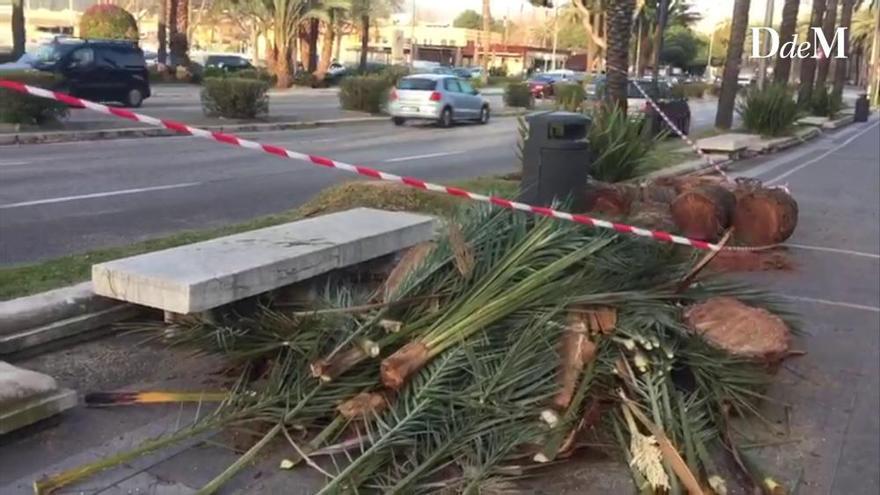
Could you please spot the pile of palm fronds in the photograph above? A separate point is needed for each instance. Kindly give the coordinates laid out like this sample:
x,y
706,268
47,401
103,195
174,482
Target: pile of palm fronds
x,y
487,352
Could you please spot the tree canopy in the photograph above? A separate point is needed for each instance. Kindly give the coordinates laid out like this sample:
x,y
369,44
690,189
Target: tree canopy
x,y
471,19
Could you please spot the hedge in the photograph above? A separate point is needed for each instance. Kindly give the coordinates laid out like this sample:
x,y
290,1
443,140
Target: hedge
x,y
107,21
18,108
364,93
235,97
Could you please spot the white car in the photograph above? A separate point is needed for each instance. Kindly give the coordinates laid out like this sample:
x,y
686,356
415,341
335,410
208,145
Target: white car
x,y
442,98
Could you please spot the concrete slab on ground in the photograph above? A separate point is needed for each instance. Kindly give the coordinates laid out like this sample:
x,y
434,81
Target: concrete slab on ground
x,y
202,276
730,144
813,120
27,397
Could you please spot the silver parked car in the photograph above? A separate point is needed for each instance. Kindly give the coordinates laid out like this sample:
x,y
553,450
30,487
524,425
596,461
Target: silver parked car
x,y
439,97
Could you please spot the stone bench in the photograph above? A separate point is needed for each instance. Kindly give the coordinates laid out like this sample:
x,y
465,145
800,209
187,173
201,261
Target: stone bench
x,y
206,275
731,145
27,397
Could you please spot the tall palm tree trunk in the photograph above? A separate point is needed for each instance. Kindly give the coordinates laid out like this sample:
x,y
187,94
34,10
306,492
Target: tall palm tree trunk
x,y
18,33
782,70
282,57
487,39
662,14
162,33
617,52
828,30
841,63
808,65
365,40
329,36
312,61
729,83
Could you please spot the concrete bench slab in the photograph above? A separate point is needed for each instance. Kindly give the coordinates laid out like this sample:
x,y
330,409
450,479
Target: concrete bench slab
x,y
205,275
27,397
730,144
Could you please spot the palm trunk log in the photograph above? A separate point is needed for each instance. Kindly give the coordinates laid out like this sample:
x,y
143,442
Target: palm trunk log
x,y
409,359
764,216
703,212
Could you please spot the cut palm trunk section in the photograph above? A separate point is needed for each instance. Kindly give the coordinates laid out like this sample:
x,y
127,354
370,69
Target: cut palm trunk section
x,y
703,212
764,216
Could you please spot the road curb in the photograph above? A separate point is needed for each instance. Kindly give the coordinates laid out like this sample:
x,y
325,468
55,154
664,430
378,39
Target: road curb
x,y
22,138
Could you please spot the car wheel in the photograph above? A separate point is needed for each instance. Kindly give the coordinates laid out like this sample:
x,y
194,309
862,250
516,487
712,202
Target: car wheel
x,y
398,120
134,98
445,118
484,115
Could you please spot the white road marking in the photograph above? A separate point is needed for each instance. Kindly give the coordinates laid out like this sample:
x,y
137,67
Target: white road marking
x,y
105,194
834,250
873,309
8,163
823,155
421,157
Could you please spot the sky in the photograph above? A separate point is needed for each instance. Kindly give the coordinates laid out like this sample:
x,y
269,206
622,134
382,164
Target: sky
x,y
713,11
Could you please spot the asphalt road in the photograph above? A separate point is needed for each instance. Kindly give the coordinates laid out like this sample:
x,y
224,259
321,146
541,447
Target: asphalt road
x,y
59,199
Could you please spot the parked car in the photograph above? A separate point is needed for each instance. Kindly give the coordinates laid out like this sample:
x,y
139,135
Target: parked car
x,y
676,108
439,97
227,63
102,70
541,86
463,72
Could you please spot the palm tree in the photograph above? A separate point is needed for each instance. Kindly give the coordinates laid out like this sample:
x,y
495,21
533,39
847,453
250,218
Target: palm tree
x,y
487,39
782,70
827,29
328,38
364,10
620,18
18,34
729,83
808,65
841,64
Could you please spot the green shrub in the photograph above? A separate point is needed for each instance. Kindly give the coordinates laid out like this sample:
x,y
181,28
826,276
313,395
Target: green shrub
x,y
394,73
498,71
518,95
502,80
569,96
824,104
19,108
364,93
213,72
305,78
771,111
619,144
108,21
258,74
234,97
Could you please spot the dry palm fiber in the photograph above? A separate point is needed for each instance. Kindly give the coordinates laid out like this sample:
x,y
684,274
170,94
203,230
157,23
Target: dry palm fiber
x,y
463,417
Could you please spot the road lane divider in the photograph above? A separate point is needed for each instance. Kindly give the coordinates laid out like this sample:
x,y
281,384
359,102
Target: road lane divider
x,y
321,161
105,194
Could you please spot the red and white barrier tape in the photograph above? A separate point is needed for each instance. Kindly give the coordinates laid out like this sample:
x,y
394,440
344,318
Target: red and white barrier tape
x,y
356,169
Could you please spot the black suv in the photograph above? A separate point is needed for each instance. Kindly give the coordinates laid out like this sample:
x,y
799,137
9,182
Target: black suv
x,y
102,70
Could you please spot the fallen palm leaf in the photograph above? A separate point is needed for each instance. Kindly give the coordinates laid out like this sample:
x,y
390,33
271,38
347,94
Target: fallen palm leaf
x,y
107,399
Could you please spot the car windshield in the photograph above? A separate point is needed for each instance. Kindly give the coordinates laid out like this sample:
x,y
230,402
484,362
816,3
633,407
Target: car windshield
x,y
49,54
418,84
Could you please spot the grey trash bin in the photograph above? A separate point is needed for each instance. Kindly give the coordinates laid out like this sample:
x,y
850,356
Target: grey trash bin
x,y
556,158
862,109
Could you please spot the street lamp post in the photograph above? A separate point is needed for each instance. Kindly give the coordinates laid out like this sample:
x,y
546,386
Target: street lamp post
x,y
555,34
709,54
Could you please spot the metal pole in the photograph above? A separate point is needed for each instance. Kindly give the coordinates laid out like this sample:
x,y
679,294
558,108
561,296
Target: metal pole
x,y
762,62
